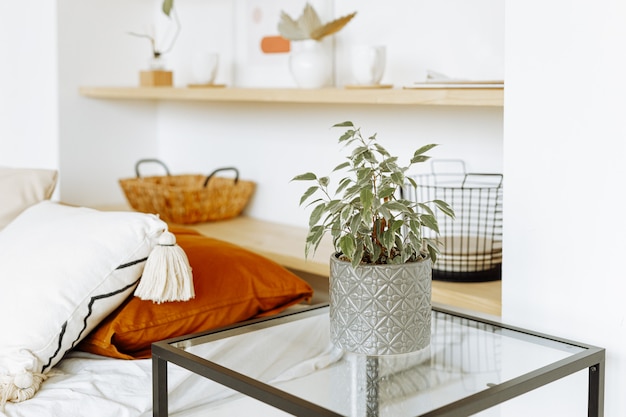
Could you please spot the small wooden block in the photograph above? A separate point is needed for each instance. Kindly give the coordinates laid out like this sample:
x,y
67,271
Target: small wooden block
x,y
155,78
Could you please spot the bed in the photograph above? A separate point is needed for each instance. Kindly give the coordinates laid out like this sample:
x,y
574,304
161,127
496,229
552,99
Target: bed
x,y
75,341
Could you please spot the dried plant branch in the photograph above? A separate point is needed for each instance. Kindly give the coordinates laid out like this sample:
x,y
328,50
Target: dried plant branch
x,y
309,25
156,50
331,28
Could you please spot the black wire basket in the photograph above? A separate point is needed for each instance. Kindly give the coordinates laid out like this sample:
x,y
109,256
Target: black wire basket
x,y
471,249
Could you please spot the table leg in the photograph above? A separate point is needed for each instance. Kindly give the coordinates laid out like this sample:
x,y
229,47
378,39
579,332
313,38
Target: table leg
x,y
596,391
159,387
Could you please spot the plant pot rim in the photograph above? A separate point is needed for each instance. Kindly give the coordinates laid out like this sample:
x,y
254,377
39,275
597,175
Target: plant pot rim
x,y
425,258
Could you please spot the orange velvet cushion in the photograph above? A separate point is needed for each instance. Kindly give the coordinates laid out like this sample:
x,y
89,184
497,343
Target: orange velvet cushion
x,y
231,283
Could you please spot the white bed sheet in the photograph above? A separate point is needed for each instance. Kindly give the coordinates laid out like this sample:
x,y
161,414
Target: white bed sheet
x,y
84,384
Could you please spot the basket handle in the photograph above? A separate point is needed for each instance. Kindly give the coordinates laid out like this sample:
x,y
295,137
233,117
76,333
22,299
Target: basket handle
x,y
141,161
222,169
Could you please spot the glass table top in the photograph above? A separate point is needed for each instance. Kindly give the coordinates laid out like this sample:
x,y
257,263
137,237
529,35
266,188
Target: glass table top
x,y
467,361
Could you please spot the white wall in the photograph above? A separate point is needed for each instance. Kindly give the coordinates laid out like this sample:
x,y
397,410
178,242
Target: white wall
x,y
564,147
101,140
271,144
28,85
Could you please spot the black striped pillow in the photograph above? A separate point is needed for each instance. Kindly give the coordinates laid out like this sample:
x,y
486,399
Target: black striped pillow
x,y
62,270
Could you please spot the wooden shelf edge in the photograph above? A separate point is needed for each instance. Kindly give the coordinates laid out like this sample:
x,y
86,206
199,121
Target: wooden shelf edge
x,y
484,97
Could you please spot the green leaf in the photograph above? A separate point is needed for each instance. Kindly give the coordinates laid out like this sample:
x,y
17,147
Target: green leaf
x,y
445,208
389,164
395,225
308,193
355,222
366,199
419,159
167,7
352,191
343,184
396,206
419,156
387,238
344,124
316,214
360,150
346,136
432,249
334,206
397,178
415,227
382,150
376,252
426,208
357,255
424,149
347,244
317,200
369,156
430,222
346,212
385,212
313,239
305,177
386,192
342,166
324,181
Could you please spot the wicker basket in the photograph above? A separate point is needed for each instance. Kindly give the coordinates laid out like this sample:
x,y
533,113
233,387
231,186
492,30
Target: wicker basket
x,y
187,199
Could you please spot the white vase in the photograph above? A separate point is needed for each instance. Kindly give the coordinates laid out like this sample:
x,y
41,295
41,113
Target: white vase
x,y
368,64
157,63
204,67
310,64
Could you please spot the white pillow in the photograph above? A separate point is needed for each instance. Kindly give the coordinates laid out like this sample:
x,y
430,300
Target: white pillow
x,y
20,188
62,270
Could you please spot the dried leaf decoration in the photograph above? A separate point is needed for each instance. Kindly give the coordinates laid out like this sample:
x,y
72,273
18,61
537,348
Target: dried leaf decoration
x,y
309,20
331,28
309,25
289,28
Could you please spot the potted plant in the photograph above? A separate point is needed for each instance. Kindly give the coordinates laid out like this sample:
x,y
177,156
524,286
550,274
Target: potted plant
x,y
158,75
380,273
310,64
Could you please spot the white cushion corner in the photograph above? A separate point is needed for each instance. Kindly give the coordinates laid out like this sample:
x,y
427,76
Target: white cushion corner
x,y
20,188
63,269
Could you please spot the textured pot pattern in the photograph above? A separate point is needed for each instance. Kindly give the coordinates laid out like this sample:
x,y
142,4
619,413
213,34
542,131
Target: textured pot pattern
x,y
380,309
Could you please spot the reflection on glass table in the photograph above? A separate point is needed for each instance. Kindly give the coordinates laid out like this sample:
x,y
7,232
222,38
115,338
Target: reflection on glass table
x,y
290,364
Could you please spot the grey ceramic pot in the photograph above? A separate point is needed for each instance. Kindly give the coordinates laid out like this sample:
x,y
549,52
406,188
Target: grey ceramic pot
x,y
380,309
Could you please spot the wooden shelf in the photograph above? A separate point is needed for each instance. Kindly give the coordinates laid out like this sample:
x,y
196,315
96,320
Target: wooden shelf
x,y
486,97
285,245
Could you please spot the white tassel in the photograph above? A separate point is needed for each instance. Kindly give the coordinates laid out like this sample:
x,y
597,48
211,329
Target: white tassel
x,y
20,387
167,275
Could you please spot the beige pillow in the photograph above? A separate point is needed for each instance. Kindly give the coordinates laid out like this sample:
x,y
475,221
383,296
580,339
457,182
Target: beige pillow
x,y
20,188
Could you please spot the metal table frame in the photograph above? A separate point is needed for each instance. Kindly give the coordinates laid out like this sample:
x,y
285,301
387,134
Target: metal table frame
x,y
592,358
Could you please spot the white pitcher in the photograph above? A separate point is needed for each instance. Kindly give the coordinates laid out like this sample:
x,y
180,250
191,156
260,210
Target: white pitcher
x,y
368,64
